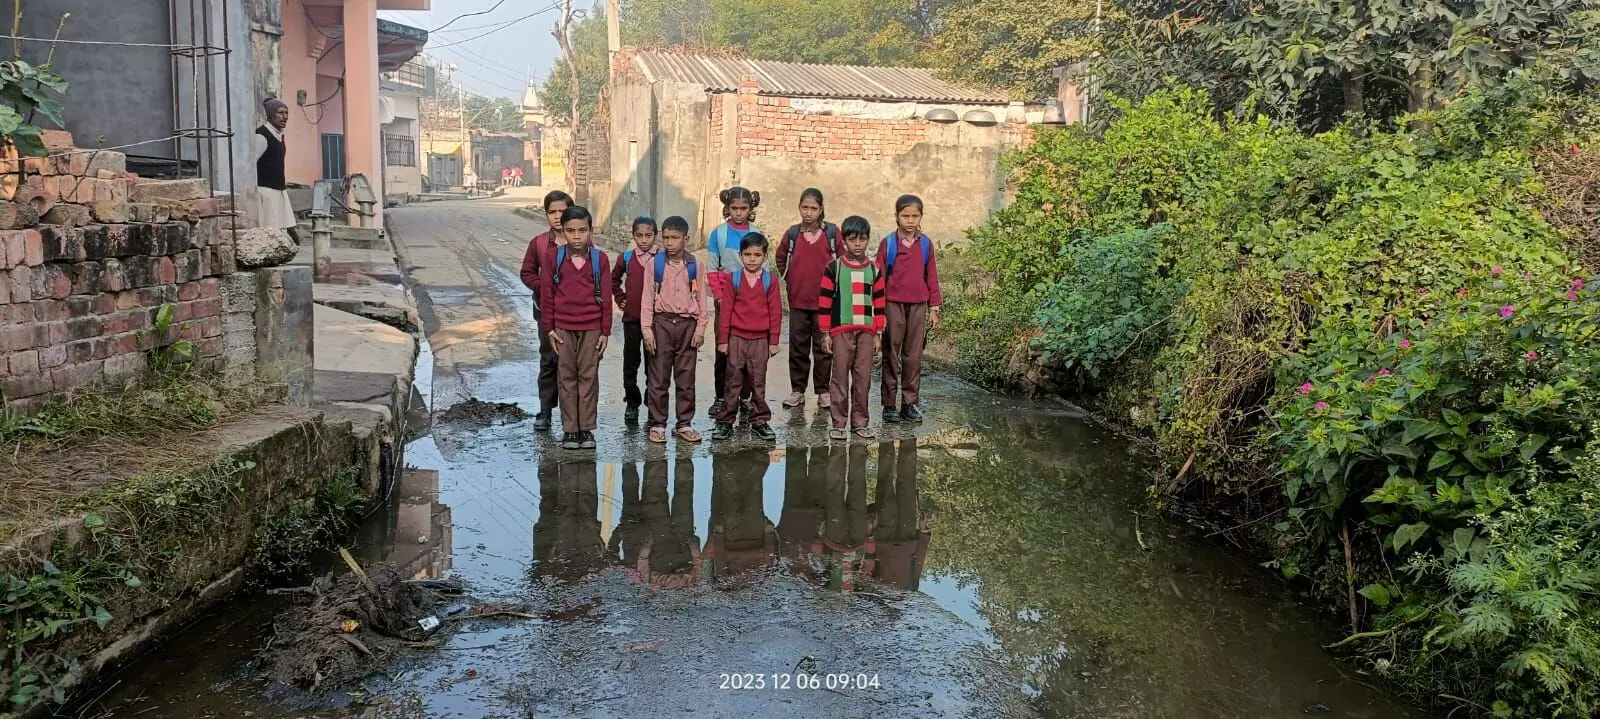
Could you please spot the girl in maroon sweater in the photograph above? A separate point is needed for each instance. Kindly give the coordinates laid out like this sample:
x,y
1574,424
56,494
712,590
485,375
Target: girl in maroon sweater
x,y
748,329
803,254
627,287
912,287
575,312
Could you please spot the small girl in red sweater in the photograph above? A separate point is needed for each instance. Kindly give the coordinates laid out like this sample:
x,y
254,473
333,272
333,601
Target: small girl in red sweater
x,y
803,254
911,282
748,329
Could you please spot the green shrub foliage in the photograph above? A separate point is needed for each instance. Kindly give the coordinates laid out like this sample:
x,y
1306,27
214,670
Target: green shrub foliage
x,y
1375,328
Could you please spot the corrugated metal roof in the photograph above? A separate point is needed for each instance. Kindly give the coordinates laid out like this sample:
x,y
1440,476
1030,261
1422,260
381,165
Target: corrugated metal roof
x,y
793,79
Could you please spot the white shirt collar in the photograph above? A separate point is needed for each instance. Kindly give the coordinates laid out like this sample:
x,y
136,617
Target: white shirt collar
x,y
276,133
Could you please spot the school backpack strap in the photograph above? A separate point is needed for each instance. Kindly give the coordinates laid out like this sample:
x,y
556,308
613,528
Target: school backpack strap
x,y
766,282
661,270
892,253
594,267
832,232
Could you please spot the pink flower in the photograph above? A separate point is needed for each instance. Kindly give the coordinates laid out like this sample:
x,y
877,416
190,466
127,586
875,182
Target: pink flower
x,y
1574,149
1508,310
1496,271
1306,388
1322,406
1572,295
1531,356
1405,344
1577,284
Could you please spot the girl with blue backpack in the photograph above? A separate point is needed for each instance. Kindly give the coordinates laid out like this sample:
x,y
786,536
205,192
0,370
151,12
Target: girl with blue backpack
x,y
803,255
722,255
911,274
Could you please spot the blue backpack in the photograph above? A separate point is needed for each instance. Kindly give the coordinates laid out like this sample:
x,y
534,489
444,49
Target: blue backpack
x,y
892,253
661,271
594,266
766,281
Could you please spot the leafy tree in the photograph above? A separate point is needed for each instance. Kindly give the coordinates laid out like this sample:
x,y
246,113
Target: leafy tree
x,y
496,114
1012,43
589,42
852,32
666,23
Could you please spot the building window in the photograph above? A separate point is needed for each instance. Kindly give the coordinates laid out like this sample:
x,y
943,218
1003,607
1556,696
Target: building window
x,y
332,156
399,151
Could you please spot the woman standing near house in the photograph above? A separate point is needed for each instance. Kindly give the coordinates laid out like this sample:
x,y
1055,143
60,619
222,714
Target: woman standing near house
x,y
269,205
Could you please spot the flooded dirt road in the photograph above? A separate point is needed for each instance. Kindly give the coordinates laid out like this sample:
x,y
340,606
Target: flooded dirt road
x,y
997,561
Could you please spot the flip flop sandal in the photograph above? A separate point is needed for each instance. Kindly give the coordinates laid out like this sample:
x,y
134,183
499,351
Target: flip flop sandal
x,y
688,434
866,433
658,435
838,434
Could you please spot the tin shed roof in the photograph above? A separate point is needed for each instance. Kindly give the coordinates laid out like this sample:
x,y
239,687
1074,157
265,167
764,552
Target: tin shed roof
x,y
794,79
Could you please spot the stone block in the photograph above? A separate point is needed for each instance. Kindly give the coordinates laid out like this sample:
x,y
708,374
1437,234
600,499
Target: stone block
x,y
16,338
284,330
263,247
177,237
110,161
26,362
21,284
116,275
128,365
10,183
148,212
56,139
52,281
96,242
223,262
81,351
113,345
165,271
238,292
153,190
35,192
109,211
5,290
189,292
27,385
139,270
33,248
87,278
206,232
61,243
38,166
187,266
52,357
16,242
14,216
76,375
66,214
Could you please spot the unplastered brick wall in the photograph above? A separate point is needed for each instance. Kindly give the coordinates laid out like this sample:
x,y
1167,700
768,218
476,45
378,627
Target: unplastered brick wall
x,y
85,272
770,127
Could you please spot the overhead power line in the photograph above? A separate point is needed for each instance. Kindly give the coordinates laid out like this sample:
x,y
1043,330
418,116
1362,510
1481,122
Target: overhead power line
x,y
503,26
467,15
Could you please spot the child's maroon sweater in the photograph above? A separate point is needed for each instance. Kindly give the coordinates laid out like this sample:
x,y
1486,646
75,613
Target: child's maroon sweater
x,y
627,282
909,283
750,313
801,263
570,303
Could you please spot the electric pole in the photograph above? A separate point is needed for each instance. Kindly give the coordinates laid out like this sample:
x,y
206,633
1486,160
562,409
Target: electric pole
x,y
564,38
613,36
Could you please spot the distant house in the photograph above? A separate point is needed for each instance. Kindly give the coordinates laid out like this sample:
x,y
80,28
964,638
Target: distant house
x,y
683,127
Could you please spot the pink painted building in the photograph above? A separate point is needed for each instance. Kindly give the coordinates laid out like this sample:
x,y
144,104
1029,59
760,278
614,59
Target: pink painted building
x,y
332,53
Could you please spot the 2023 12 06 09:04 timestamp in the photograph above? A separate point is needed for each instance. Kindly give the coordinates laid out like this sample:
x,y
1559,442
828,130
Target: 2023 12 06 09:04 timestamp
x,y
798,680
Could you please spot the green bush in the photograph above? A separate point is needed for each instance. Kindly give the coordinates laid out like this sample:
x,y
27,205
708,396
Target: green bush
x,y
1200,274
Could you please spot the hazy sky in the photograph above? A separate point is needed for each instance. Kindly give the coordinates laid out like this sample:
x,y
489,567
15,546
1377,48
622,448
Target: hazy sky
x,y
498,63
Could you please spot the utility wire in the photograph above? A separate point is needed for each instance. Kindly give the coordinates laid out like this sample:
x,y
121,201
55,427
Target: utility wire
x,y
507,24
467,15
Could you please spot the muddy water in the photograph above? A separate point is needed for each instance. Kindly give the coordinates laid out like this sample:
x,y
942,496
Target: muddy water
x,y
1003,563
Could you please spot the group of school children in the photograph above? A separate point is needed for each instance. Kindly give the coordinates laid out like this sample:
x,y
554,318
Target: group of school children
x,y
844,307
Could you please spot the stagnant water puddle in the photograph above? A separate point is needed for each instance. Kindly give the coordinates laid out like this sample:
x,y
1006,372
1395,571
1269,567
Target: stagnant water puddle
x,y
1004,563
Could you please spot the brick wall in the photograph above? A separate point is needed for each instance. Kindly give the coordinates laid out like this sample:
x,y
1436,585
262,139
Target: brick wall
x,y
88,256
769,127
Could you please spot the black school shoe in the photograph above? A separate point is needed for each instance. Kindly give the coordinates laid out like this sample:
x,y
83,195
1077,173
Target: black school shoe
x,y
541,422
891,415
631,415
716,408
586,440
722,431
764,431
572,440
911,413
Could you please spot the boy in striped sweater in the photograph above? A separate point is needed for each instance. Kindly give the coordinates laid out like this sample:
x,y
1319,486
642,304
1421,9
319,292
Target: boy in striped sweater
x,y
851,312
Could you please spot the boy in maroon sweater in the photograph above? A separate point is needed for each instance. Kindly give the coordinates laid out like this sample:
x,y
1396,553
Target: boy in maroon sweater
x,y
747,332
575,313
627,286
912,288
540,251
803,254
